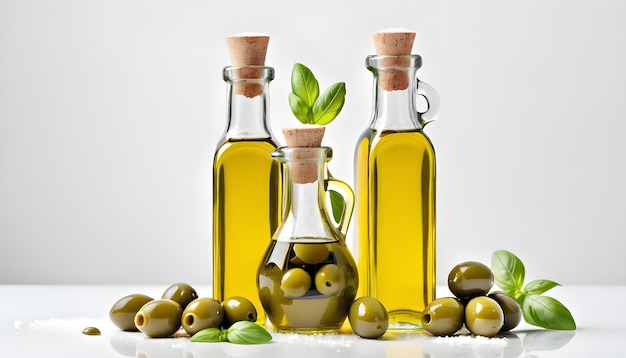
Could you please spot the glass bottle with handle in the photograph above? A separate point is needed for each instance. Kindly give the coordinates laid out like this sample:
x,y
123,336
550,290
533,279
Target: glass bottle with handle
x,y
308,277
395,185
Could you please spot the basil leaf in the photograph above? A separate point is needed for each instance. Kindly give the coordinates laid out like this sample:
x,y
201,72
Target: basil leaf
x,y
246,332
300,109
337,204
304,84
508,271
538,287
546,312
208,335
329,104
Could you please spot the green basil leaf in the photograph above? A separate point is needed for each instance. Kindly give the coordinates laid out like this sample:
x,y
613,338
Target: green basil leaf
x,y
546,312
329,104
300,109
508,271
538,287
337,205
304,84
246,332
208,335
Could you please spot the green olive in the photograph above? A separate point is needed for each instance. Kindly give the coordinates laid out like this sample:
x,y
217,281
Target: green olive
x,y
483,316
443,316
470,279
202,313
311,253
329,280
295,282
368,317
123,312
159,318
510,307
238,308
180,292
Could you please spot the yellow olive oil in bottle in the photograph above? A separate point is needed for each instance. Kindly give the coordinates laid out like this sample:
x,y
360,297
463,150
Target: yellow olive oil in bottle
x,y
395,187
246,180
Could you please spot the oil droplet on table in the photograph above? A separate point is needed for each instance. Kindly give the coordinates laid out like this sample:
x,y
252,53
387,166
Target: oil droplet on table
x,y
91,331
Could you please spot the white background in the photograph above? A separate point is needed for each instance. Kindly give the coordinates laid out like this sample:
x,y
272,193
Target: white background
x,y
110,112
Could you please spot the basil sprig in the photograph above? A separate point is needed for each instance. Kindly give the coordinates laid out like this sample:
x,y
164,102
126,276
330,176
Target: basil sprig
x,y
310,107
306,102
241,332
537,309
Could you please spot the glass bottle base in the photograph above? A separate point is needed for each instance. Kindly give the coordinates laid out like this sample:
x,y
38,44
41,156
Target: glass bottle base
x,y
304,331
404,321
319,308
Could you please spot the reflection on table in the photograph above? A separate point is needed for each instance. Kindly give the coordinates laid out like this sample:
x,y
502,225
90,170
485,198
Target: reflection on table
x,y
511,344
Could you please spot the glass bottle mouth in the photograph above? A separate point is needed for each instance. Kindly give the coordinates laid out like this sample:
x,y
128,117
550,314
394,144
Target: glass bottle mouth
x,y
248,73
396,63
303,154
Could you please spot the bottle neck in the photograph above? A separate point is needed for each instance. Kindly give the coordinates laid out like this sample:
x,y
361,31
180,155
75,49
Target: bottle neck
x,y
395,87
248,102
306,215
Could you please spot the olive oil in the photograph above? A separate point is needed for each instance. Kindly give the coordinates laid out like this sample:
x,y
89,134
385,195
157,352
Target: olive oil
x,y
246,211
316,310
246,180
395,187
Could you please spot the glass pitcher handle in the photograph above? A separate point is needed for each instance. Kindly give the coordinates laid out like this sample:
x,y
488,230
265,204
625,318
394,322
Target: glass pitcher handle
x,y
348,198
432,99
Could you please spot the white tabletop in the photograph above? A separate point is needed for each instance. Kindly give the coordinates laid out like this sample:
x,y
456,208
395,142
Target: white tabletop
x,y
47,321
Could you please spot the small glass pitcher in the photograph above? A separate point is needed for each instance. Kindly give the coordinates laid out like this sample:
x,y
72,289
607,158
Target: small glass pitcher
x,y
308,278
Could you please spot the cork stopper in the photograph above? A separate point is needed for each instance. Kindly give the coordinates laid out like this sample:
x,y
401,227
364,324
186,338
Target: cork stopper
x,y
304,165
394,43
248,49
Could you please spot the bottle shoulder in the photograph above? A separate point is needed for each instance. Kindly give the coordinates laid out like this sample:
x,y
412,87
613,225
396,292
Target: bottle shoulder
x,y
248,147
374,147
259,142
397,137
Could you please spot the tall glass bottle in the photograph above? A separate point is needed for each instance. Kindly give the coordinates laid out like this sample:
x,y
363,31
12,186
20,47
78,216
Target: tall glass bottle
x,y
395,190
246,186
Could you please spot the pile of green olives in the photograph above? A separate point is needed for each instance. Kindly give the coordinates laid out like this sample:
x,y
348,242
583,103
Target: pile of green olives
x,y
482,313
179,306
